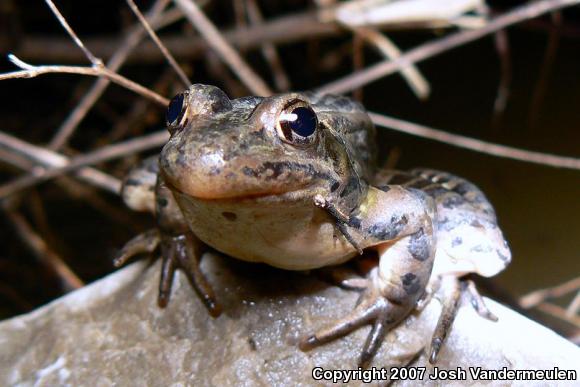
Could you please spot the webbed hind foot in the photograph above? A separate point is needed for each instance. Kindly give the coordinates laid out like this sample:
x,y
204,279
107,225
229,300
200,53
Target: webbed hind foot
x,y
371,309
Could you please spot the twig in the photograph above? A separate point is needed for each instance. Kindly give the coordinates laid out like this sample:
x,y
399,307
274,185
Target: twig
x,y
227,53
572,309
45,157
66,130
411,73
438,46
268,49
547,65
102,154
536,297
94,60
558,312
285,29
159,44
475,145
70,281
32,71
502,47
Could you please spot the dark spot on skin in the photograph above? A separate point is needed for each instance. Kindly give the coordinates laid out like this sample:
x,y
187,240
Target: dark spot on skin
x,y
132,182
214,171
453,201
249,172
476,223
504,258
229,216
230,175
384,188
252,344
162,202
419,246
352,185
411,283
389,230
273,170
456,242
481,249
354,222
334,186
436,190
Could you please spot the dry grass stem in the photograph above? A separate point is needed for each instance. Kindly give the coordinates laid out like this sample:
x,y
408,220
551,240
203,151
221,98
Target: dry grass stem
x,y
269,51
47,158
136,34
438,46
97,62
417,82
538,296
31,71
226,52
70,281
102,154
159,44
474,144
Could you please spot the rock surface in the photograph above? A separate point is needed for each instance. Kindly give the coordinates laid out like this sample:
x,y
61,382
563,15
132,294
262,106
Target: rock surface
x,y
113,333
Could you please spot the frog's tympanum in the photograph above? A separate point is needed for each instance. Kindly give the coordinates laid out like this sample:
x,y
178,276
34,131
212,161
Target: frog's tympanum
x,y
290,180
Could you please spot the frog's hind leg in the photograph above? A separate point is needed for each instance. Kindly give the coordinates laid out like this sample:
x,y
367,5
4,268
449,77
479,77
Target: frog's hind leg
x,y
453,288
372,308
392,292
184,252
477,301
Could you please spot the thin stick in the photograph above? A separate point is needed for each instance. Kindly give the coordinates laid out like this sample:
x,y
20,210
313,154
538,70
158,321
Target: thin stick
x,y
572,309
32,71
284,29
47,158
536,297
475,145
106,153
557,311
159,44
438,46
226,52
70,281
97,62
132,39
385,46
268,49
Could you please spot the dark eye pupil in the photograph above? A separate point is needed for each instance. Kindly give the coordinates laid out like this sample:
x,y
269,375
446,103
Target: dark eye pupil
x,y
305,123
174,109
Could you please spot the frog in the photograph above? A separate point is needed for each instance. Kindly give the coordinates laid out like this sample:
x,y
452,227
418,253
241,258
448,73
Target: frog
x,y
291,180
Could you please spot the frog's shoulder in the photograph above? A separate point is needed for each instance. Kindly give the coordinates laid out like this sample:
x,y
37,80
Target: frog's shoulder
x,y
138,187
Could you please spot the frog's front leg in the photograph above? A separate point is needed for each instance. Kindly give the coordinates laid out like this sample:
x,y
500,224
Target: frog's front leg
x,y
396,222
180,248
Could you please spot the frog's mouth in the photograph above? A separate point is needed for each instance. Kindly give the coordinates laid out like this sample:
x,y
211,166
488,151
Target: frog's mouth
x,y
246,179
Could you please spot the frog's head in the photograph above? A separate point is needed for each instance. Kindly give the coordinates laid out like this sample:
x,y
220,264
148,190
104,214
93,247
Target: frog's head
x,y
254,147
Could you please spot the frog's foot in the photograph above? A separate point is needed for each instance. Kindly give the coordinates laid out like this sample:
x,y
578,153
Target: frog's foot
x,y
146,242
477,301
453,288
184,252
372,308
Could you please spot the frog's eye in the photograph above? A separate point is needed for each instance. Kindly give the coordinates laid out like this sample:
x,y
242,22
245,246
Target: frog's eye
x,y
297,123
175,112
